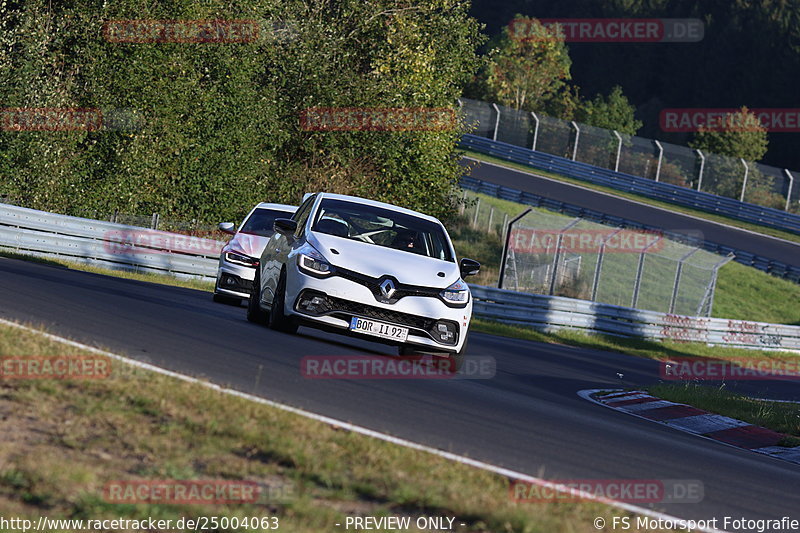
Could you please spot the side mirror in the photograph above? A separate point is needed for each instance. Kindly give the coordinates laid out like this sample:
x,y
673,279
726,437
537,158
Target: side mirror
x,y
227,227
469,267
285,226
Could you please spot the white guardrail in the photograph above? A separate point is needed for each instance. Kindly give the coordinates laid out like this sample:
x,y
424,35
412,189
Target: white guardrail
x,y
550,313
107,244
139,249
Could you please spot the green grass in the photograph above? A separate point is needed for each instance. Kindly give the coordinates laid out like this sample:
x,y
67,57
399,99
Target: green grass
x,y
777,416
744,293
787,235
64,440
479,245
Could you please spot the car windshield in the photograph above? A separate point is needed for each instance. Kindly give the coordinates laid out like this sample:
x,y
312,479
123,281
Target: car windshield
x,y
383,227
260,221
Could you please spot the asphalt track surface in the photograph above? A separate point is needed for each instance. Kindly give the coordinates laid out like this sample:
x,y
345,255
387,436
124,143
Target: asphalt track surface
x,y
784,251
527,418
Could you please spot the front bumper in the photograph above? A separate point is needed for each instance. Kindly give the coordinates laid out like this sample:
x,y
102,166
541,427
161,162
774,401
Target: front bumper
x,y
339,300
234,280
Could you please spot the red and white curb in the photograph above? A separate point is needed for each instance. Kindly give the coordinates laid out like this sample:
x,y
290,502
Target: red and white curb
x,y
692,420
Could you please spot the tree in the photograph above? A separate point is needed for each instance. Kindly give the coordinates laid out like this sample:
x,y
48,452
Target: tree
x,y
530,69
613,112
760,37
221,122
739,135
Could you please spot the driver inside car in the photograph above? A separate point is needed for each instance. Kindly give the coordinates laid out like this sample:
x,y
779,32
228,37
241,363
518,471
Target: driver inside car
x,y
405,239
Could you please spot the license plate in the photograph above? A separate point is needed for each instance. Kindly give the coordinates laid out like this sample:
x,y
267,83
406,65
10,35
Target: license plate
x,y
378,329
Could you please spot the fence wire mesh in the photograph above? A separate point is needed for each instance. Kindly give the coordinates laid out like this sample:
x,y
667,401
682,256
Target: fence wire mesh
x,y
556,137
679,165
553,254
723,176
479,117
515,127
639,157
597,147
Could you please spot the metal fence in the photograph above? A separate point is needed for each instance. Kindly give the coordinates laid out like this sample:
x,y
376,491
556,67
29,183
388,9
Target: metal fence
x,y
549,253
107,244
482,216
648,158
553,313
765,264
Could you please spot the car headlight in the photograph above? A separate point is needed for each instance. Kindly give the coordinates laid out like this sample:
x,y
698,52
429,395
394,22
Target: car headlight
x,y
456,294
241,259
313,262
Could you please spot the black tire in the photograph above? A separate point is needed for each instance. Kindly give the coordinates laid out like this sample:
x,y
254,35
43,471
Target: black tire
x,y
254,312
229,300
458,357
277,319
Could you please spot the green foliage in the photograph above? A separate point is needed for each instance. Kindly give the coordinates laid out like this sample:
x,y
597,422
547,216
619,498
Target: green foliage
x,y
741,135
220,122
758,37
613,112
530,70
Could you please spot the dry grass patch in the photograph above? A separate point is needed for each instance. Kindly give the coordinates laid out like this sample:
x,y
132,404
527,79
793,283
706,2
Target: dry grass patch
x,y
64,440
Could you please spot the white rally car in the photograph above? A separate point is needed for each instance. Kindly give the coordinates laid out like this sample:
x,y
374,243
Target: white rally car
x,y
239,257
365,268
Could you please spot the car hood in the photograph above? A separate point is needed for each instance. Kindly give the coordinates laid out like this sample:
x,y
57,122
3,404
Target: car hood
x,y
248,244
377,261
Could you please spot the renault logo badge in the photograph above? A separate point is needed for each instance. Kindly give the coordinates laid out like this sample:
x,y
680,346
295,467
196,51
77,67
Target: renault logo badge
x,y
387,288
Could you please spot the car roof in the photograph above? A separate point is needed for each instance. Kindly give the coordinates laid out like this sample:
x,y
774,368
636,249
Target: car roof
x,y
375,203
278,207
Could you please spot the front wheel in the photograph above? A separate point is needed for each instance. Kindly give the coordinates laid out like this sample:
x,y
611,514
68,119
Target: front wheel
x,y
457,358
277,318
254,312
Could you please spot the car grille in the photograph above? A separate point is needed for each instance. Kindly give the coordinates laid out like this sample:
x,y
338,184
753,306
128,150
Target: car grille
x,y
368,311
373,284
345,309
